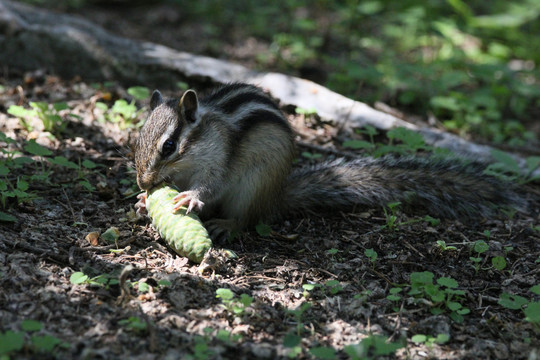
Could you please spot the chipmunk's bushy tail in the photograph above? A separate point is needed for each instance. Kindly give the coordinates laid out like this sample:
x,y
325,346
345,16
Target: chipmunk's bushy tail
x,y
444,188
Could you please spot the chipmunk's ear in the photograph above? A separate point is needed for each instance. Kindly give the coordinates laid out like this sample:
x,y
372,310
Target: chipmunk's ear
x,y
156,99
189,105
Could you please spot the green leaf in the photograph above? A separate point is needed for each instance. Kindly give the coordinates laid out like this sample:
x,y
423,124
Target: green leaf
x,y
39,105
535,289
19,111
291,340
454,306
323,352
224,294
442,338
89,164
86,185
111,235
4,170
463,311
310,111
457,317
31,325
11,341
246,300
371,254
532,311
480,246
123,108
60,106
513,302
164,283
78,278
380,345
445,102
23,160
263,229
7,217
533,162
425,277
411,138
45,343
144,287
22,185
35,149
499,262
63,161
101,106
139,92
447,282
509,163
419,338
310,287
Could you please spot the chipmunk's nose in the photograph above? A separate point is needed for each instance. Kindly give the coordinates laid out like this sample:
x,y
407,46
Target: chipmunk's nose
x,y
145,182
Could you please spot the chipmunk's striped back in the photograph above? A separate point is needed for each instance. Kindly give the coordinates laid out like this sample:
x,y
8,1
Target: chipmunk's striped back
x,y
244,106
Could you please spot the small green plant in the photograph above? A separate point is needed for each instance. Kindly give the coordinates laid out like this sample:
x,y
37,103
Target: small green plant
x,y
391,215
308,288
443,296
236,306
263,230
201,349
311,156
333,287
83,169
369,146
442,245
227,338
134,324
332,251
306,112
163,283
480,247
372,347
401,141
124,113
323,352
293,343
507,168
105,280
394,294
298,315
48,114
430,340
20,191
30,338
531,309
498,262
372,255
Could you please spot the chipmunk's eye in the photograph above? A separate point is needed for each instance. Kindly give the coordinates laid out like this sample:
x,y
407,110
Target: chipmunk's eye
x,y
168,148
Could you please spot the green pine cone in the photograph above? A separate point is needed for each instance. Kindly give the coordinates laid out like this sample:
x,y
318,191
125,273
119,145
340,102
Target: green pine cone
x,y
184,233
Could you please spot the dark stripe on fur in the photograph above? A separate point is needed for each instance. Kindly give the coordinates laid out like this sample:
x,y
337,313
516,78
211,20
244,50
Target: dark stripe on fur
x,y
260,116
242,98
220,93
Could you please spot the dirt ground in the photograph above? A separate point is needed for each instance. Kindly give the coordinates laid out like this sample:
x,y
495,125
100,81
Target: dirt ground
x,y
165,308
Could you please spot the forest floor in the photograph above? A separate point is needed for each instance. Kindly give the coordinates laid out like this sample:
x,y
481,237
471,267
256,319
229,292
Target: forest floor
x,y
313,286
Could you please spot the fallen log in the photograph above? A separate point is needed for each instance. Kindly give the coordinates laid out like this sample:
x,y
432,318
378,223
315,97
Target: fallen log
x,y
33,38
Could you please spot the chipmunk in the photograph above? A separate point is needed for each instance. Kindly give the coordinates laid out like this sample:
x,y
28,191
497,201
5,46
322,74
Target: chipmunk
x,y
231,155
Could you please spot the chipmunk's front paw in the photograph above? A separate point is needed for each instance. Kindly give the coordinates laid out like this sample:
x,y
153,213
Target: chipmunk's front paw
x,y
140,206
190,199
